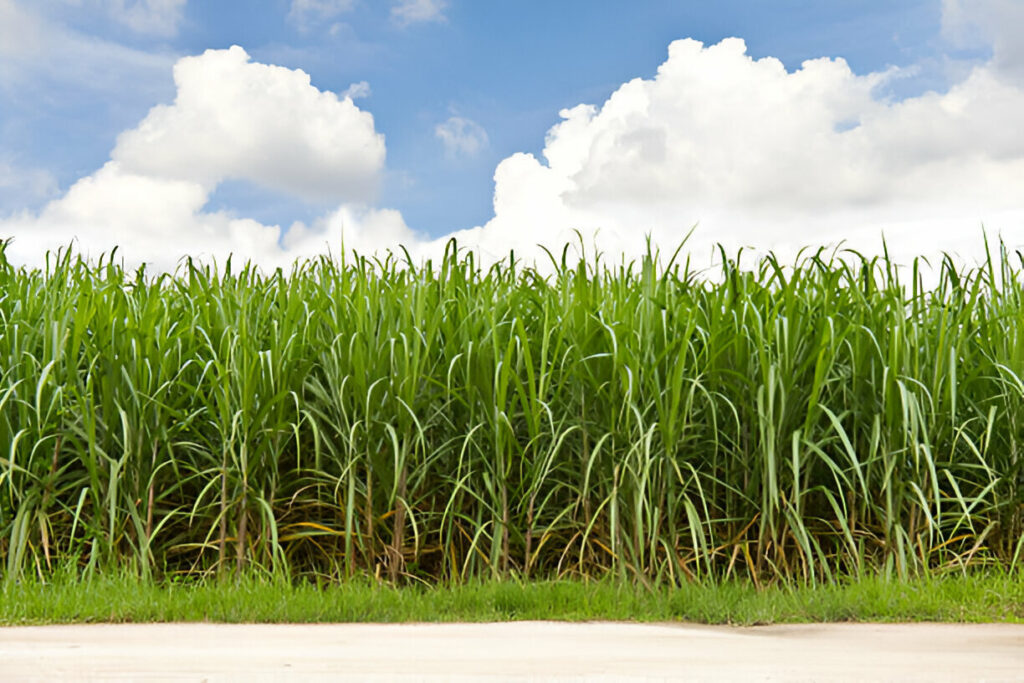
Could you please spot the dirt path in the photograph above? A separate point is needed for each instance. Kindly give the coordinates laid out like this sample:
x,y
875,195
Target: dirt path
x,y
514,651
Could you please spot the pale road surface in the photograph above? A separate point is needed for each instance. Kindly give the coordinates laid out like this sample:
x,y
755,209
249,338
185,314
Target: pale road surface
x,y
524,651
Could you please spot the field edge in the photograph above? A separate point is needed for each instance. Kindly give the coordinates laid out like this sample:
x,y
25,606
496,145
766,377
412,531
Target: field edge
x,y
975,597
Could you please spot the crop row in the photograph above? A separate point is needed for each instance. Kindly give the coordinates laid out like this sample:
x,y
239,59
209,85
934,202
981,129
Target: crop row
x,y
446,421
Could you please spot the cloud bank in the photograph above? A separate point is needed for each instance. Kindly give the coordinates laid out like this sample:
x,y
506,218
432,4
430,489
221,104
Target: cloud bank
x,y
750,152
757,155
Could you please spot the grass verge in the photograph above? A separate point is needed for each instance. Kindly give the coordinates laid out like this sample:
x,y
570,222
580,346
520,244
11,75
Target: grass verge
x,y
122,599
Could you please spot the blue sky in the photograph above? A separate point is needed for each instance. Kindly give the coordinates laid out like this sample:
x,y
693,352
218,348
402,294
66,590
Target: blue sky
x,y
499,72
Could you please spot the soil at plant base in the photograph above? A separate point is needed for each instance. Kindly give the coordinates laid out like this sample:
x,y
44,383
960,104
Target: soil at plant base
x,y
514,651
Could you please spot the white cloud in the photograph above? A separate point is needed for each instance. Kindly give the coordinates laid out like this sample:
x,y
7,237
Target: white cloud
x,y
306,14
49,71
995,23
231,119
156,17
39,57
357,91
761,156
19,30
352,227
25,185
418,11
461,137
151,219
150,17
756,154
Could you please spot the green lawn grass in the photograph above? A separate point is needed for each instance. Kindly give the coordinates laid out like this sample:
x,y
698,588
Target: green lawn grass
x,y
109,598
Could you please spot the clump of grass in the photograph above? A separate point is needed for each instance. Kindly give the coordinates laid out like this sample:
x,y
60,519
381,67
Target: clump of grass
x,y
450,423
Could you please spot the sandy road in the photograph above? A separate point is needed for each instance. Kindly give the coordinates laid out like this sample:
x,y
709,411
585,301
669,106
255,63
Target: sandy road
x,y
513,651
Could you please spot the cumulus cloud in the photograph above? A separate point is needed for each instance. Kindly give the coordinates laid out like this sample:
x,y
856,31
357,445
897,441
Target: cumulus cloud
x,y
359,228
231,119
461,137
306,14
759,155
237,119
418,11
155,220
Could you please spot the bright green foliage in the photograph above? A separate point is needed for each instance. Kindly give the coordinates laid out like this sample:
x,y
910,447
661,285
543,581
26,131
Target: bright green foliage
x,y
67,597
448,422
